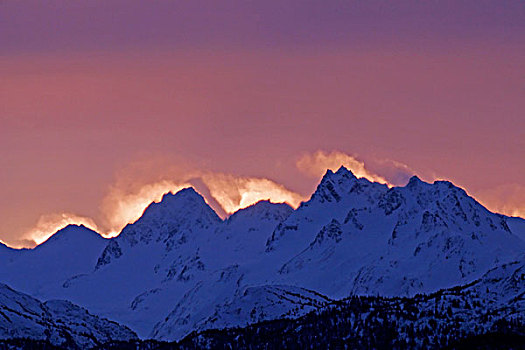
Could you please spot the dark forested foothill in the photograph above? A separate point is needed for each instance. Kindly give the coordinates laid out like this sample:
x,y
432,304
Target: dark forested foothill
x,y
452,319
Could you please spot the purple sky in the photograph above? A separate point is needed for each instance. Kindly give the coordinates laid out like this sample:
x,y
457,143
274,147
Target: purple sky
x,y
99,98
50,26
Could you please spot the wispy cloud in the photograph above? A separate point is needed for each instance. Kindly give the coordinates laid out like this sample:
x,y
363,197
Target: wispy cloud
x,y
508,199
50,223
225,193
236,192
131,193
385,171
145,181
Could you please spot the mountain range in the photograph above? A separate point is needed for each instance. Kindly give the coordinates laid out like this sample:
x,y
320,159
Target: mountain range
x,y
180,269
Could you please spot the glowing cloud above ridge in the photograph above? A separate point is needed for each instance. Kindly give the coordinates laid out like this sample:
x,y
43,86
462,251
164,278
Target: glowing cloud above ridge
x,y
123,206
50,223
234,193
315,164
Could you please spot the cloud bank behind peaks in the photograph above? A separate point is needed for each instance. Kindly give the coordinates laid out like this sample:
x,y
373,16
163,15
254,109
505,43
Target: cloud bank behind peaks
x,y
235,192
138,186
50,223
225,193
389,172
125,203
135,188
123,206
507,199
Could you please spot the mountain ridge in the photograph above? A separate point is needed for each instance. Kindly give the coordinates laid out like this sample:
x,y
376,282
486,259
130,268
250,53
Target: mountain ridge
x,y
180,264
57,321
413,181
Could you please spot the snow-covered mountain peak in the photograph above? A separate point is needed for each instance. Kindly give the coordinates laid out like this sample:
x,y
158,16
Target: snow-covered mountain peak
x,y
344,171
418,193
415,181
262,210
415,184
335,185
171,222
336,195
71,251
185,202
185,209
72,235
341,173
440,205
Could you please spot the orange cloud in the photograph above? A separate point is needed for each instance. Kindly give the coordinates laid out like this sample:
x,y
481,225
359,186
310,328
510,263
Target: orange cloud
x,y
122,206
506,199
234,193
387,171
125,205
316,164
134,190
126,200
51,223
131,193
226,193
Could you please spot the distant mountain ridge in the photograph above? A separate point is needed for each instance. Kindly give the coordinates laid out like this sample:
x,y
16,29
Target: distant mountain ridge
x,y
59,322
467,317
180,268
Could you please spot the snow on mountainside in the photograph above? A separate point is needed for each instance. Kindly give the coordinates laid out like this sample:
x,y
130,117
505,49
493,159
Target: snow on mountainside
x,y
170,222
178,245
517,226
71,251
244,306
7,253
488,313
180,267
355,236
246,231
400,241
59,322
160,249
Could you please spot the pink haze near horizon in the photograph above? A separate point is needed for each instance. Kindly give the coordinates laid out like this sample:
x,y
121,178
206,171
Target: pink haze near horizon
x,y
105,105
